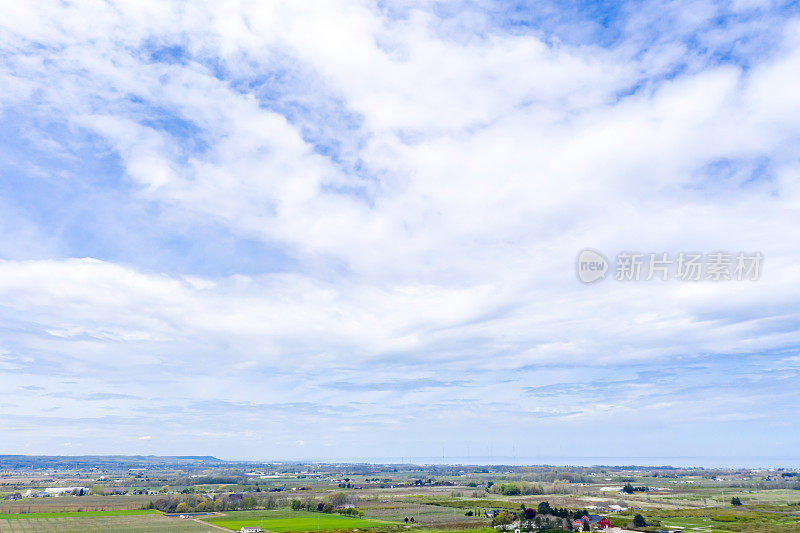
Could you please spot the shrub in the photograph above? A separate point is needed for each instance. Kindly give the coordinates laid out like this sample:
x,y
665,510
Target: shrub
x,y
502,519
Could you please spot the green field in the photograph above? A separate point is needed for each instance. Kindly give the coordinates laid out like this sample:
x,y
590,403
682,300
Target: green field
x,y
717,521
76,514
151,523
284,521
691,524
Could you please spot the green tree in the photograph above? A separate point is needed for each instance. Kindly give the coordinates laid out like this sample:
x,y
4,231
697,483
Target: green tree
x,y
98,490
327,508
544,508
249,503
502,519
735,501
296,505
337,499
510,489
182,507
586,526
639,521
628,488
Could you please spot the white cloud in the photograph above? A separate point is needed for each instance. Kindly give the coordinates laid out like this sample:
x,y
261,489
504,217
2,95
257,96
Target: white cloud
x,y
436,233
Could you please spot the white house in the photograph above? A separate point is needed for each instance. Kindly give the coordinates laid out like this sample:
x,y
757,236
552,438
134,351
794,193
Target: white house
x,y
56,491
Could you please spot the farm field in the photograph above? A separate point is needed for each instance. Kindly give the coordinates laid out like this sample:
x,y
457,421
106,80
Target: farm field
x,y
284,521
150,523
75,503
688,524
425,515
719,522
75,514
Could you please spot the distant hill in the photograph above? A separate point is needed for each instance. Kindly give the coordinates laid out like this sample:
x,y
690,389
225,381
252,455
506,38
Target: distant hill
x,y
118,461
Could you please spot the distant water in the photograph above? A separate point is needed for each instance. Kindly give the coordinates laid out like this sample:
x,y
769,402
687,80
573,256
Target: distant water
x,y
680,462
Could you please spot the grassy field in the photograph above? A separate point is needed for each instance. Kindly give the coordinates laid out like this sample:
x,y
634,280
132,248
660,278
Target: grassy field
x,y
283,521
75,514
150,523
688,524
716,521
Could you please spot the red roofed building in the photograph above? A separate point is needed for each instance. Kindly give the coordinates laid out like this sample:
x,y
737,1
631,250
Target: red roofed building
x,y
595,520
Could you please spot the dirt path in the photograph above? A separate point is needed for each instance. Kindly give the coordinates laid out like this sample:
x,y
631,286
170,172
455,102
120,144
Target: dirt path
x,y
210,525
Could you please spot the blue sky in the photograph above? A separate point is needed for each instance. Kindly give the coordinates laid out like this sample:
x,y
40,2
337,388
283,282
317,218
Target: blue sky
x,y
348,229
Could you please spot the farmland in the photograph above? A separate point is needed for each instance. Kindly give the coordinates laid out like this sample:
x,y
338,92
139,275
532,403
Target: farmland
x,y
289,498
112,524
291,521
82,504
75,514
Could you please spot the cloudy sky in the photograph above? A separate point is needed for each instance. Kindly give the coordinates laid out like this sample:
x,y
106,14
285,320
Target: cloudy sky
x,y
349,229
